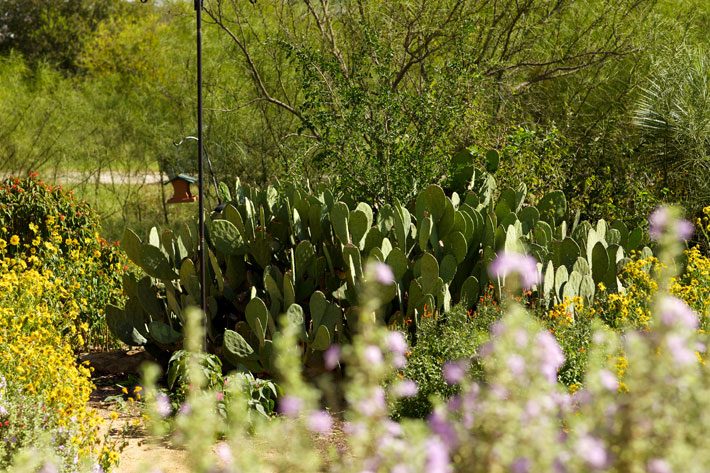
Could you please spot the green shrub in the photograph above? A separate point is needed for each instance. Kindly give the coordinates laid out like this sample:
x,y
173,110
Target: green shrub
x,y
574,336
454,336
539,158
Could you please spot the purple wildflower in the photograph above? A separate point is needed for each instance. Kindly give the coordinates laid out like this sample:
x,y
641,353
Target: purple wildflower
x,y
406,388
382,273
559,464
96,468
520,465
592,451
608,380
162,405
49,468
675,312
499,391
373,355
439,425
684,230
516,365
454,403
437,457
354,428
509,262
3,411
399,361
224,453
659,221
331,357
532,410
320,422
373,405
551,356
498,328
521,338
290,406
185,409
470,406
454,371
679,350
396,343
581,397
486,349
561,400
393,429
658,465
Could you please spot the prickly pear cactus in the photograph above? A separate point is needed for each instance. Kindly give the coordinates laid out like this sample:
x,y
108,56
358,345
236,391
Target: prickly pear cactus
x,y
302,251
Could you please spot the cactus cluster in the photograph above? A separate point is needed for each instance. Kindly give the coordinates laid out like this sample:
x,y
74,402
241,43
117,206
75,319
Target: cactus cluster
x,y
301,252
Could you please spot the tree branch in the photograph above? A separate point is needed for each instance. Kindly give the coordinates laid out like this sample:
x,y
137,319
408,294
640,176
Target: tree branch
x,y
255,75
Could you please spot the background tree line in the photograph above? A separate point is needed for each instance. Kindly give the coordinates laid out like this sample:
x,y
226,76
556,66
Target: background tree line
x,y
607,100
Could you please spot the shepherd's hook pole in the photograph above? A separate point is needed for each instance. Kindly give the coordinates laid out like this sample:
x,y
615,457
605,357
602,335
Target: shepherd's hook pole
x,y
200,175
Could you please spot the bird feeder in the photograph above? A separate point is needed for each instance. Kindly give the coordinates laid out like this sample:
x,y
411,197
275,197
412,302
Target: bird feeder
x,y
181,189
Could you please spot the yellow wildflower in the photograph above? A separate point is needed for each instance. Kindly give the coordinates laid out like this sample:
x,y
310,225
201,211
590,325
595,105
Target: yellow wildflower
x,y
14,240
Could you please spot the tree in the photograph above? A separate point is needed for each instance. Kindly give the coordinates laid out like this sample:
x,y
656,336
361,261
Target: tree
x,y
381,92
51,30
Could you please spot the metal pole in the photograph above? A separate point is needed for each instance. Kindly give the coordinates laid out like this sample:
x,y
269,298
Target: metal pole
x,y
200,175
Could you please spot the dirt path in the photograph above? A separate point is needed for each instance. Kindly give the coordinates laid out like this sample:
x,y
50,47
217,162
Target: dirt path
x,y
104,177
142,453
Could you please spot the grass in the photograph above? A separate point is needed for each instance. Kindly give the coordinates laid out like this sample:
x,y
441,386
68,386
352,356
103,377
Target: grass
x,y
135,206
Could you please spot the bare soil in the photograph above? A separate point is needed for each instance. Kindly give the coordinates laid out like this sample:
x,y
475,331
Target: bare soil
x,y
142,453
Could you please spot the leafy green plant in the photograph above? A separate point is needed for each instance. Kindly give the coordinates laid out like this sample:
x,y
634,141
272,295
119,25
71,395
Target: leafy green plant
x,y
517,418
261,394
453,337
539,158
178,376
